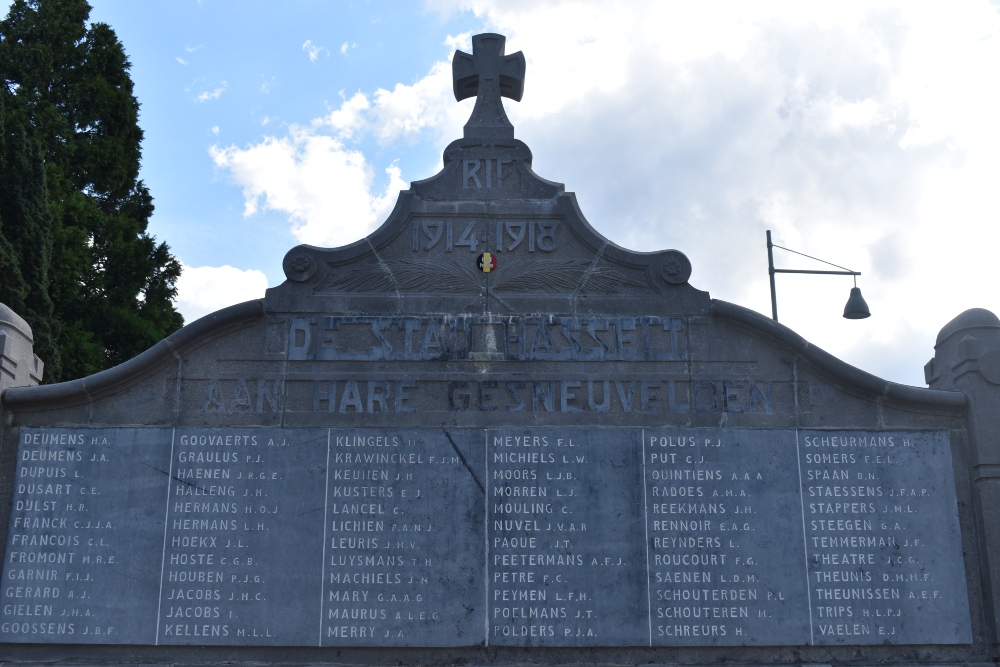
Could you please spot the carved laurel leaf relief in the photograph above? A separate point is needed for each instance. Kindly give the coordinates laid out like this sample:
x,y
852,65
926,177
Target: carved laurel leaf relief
x,y
402,275
552,277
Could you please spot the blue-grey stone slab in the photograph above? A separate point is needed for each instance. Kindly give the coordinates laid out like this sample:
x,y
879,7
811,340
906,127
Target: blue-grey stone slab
x,y
566,560
243,541
84,548
404,554
726,556
881,527
499,537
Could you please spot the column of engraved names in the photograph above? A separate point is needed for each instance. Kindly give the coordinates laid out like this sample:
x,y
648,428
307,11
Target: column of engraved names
x,y
885,559
566,561
723,514
82,559
243,536
403,552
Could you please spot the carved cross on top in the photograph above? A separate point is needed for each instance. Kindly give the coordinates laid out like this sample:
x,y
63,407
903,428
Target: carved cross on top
x,y
488,74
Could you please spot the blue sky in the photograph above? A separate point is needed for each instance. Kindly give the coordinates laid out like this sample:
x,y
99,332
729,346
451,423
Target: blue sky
x,y
864,133
229,73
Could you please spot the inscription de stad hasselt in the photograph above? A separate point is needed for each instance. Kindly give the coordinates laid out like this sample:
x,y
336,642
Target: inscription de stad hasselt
x,y
475,338
548,338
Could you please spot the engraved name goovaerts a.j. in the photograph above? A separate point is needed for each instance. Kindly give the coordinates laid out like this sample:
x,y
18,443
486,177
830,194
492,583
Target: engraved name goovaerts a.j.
x,y
856,512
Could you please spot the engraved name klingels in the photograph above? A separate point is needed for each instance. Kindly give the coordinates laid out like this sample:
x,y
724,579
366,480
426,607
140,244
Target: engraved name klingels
x,y
508,537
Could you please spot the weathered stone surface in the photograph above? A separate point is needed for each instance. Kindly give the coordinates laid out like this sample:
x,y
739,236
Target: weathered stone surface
x,y
966,357
567,337
19,366
498,537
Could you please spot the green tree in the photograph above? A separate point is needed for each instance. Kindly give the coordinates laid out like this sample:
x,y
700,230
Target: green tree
x,y
25,230
110,284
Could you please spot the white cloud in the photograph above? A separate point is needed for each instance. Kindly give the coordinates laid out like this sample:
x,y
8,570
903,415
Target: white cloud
x,y
314,50
426,107
212,94
215,130
192,49
324,188
202,290
460,42
429,104
858,132
181,61
349,118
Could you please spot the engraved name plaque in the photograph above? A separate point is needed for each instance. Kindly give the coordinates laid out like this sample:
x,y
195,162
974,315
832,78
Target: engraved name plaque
x,y
515,537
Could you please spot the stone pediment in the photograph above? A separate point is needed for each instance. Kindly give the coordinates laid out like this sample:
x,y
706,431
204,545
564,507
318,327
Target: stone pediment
x,y
545,256
483,430
417,289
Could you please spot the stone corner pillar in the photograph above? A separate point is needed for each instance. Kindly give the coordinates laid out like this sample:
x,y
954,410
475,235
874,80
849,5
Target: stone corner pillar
x,y
19,367
967,359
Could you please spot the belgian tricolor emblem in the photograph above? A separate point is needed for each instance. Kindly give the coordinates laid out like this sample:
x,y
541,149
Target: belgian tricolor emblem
x,y
487,262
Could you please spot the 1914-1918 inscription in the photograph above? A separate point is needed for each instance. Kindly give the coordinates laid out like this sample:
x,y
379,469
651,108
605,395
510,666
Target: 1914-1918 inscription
x,y
500,537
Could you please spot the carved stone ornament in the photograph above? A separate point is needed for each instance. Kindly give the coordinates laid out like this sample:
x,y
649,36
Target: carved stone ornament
x,y
989,366
565,277
575,456
299,267
675,267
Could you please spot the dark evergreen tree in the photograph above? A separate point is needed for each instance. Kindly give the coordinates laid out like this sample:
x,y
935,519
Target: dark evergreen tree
x,y
13,289
110,284
25,230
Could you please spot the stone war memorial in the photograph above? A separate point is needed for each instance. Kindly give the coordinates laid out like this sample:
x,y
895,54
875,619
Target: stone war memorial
x,y
485,434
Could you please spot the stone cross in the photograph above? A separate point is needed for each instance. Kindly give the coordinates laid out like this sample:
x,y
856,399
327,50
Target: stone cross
x,y
488,74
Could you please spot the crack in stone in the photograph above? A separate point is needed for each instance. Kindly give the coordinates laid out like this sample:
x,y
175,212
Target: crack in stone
x,y
464,462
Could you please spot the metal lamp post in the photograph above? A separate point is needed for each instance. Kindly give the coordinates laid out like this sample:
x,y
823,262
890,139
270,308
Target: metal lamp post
x,y
856,308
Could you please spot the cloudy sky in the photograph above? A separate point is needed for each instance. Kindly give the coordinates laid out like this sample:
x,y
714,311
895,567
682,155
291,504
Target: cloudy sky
x,y
866,134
